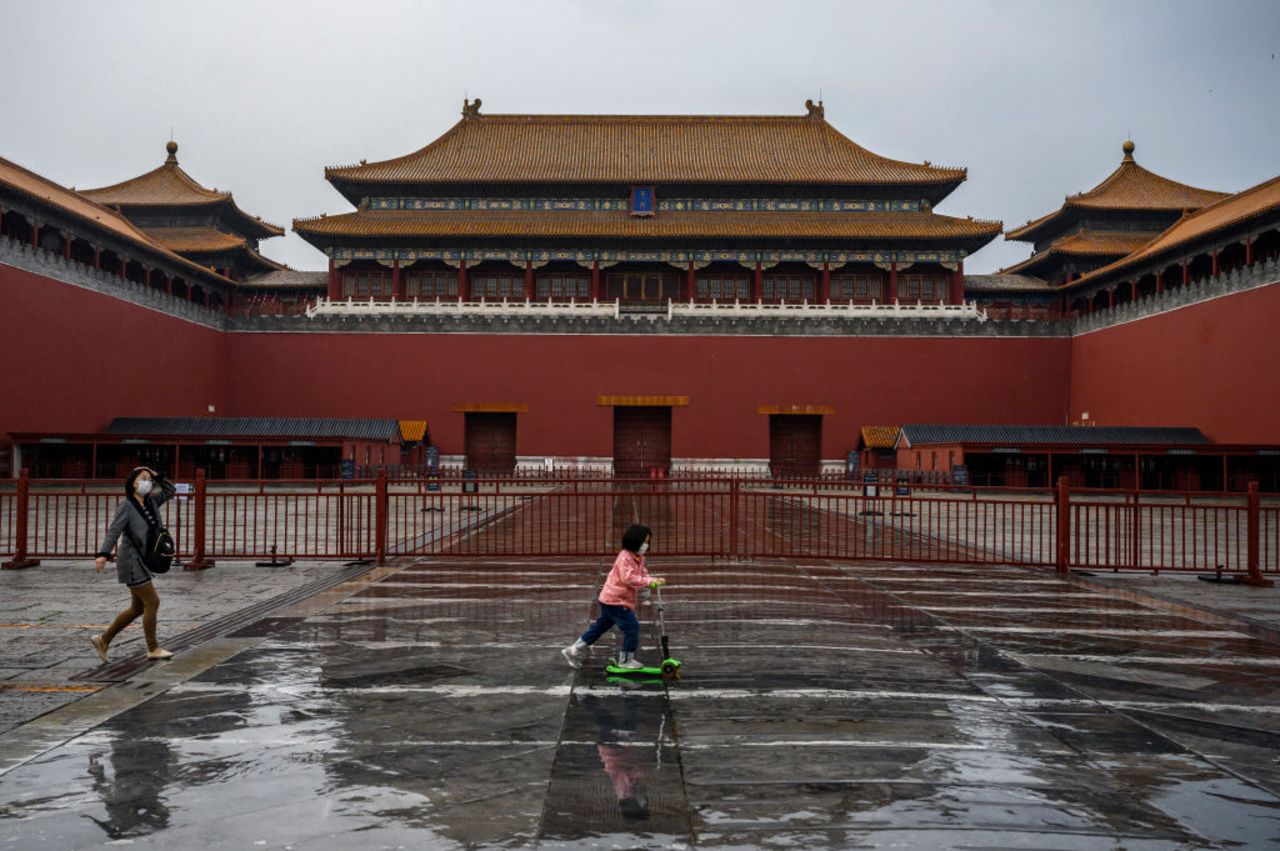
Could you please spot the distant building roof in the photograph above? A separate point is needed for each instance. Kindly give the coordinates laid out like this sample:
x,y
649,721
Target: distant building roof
x,y
288,279
41,190
1130,187
1005,283
208,240
1051,435
281,427
170,186
1255,202
1108,245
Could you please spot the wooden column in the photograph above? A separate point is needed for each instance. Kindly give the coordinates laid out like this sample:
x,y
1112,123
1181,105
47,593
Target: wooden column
x,y
824,284
97,257
1111,298
957,284
35,234
1159,284
146,277
757,283
335,291
1186,272
1214,273
66,245
168,284
892,296
397,281
690,283
1133,290
124,261
530,287
596,294
463,290
1248,251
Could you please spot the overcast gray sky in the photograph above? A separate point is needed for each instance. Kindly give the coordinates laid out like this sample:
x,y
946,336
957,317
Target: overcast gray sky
x,y
1034,97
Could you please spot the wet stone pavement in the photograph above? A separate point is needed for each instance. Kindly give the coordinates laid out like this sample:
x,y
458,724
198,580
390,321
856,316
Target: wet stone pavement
x,y
822,705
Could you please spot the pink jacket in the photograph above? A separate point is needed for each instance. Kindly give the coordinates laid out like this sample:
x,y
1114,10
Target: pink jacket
x,y
627,576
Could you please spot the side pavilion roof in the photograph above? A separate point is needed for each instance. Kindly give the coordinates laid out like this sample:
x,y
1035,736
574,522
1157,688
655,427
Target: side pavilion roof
x,y
1129,188
170,186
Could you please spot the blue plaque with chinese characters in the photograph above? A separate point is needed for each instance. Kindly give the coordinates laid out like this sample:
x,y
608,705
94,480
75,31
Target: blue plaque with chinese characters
x,y
642,201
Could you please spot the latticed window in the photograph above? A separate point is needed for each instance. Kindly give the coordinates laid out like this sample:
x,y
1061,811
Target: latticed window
x,y
497,285
724,288
564,285
431,285
922,288
789,287
364,284
862,288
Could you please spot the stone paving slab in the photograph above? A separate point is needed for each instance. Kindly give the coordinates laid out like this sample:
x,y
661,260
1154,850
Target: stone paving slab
x,y
51,610
823,705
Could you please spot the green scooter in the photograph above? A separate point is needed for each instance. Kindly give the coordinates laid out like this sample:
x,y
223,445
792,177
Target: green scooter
x,y
669,668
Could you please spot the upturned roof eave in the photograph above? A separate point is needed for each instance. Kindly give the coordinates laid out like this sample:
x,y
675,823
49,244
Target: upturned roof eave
x,y
253,226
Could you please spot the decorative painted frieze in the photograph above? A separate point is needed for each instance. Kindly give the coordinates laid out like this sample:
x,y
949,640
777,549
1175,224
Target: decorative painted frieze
x,y
698,258
766,205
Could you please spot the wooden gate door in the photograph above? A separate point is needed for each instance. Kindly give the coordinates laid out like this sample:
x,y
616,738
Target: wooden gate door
x,y
491,443
795,445
641,440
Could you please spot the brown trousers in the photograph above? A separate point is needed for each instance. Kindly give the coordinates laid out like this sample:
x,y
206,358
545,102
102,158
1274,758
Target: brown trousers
x,y
145,602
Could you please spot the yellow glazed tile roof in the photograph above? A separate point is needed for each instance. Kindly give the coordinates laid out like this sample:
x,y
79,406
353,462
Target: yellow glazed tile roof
x,y
593,224
1111,244
74,204
645,149
170,186
1129,187
1257,201
880,437
413,431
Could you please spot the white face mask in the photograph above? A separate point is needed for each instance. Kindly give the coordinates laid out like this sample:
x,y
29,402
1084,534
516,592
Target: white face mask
x,y
644,548
144,487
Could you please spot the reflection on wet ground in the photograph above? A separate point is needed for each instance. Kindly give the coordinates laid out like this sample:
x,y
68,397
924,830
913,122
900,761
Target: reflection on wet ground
x,y
822,705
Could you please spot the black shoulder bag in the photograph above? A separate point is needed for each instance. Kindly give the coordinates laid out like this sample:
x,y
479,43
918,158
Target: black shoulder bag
x,y
158,552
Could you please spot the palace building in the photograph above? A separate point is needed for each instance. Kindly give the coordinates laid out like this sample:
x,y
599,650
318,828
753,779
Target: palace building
x,y
641,293
646,210
201,224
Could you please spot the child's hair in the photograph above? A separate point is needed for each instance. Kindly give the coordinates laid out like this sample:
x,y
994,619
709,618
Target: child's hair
x,y
634,537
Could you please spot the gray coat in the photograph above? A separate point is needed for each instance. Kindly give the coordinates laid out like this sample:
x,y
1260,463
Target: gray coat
x,y
129,567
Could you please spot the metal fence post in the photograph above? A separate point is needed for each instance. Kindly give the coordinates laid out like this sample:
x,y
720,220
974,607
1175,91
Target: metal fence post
x,y
20,530
1135,533
199,508
1255,576
1063,541
380,516
734,491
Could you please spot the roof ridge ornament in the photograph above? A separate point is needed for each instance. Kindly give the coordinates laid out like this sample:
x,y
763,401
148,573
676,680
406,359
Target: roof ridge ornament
x,y
815,110
471,108
1128,147
172,147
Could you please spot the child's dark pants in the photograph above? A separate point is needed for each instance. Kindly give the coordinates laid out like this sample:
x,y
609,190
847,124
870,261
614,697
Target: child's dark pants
x,y
621,617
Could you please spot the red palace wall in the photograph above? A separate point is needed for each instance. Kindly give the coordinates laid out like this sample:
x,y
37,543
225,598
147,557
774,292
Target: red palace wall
x,y
1214,365
72,359
868,380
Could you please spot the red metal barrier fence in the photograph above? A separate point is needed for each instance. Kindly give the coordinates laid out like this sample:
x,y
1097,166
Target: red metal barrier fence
x,y
720,517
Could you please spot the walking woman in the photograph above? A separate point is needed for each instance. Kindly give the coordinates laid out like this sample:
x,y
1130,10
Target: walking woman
x,y
138,514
